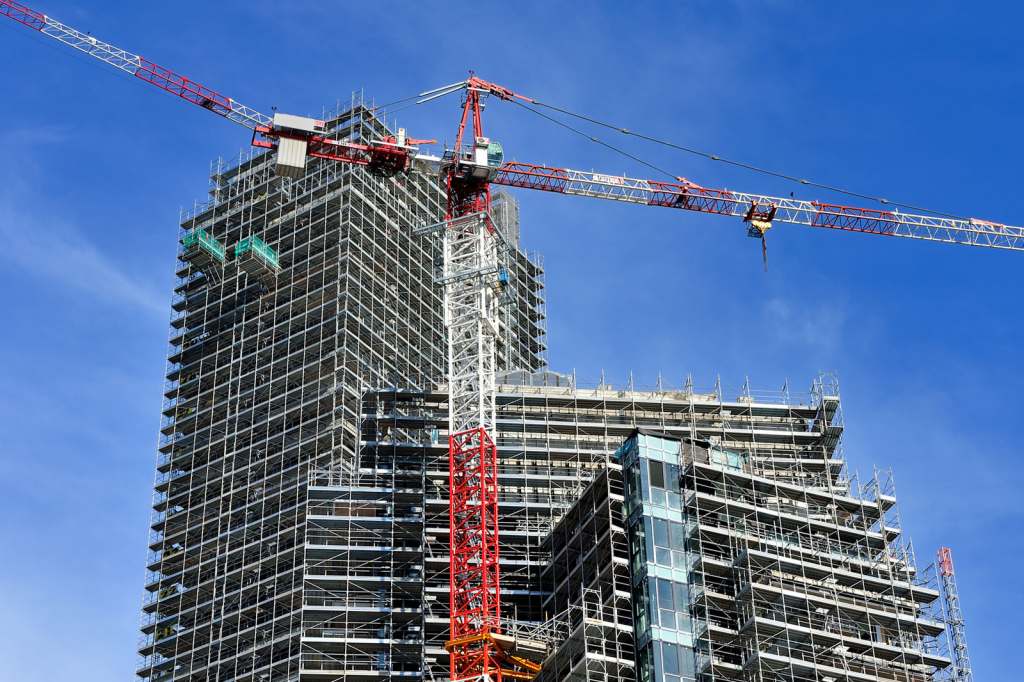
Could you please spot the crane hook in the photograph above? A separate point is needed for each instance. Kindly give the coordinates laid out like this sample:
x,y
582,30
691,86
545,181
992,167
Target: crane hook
x,y
760,221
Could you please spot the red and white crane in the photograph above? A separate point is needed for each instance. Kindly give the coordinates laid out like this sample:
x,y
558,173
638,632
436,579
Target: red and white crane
x,y
961,671
472,280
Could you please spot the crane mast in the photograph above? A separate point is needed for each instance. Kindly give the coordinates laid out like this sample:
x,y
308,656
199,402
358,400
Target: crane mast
x,y
473,280
470,278
954,617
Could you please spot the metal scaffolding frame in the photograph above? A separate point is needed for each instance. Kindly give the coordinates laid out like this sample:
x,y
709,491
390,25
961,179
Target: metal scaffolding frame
x,y
587,583
554,438
266,372
300,527
804,576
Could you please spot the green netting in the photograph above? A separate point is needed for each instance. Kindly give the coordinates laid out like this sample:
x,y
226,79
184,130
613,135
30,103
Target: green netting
x,y
206,241
260,248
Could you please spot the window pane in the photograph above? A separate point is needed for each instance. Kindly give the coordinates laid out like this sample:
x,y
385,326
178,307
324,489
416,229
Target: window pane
x,y
682,596
678,535
686,663
661,533
657,473
668,618
673,477
659,668
665,594
671,658
658,497
683,621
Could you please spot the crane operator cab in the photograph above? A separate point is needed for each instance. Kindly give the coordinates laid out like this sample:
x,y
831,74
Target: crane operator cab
x,y
482,161
293,142
487,157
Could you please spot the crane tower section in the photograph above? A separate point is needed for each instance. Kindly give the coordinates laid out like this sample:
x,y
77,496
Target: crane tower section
x,y
954,617
471,280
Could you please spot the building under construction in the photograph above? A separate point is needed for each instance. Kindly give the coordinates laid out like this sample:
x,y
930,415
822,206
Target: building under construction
x,y
301,527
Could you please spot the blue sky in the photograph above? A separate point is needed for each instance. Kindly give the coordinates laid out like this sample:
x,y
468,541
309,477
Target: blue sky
x,y
920,102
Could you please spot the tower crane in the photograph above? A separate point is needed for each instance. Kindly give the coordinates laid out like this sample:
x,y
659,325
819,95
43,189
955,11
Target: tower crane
x,y
961,671
472,280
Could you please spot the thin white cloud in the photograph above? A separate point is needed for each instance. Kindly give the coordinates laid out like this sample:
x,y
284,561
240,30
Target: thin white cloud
x,y
57,252
17,137
819,327
46,245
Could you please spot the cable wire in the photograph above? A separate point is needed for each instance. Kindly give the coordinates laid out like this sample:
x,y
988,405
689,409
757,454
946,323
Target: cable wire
x,y
597,140
397,101
731,162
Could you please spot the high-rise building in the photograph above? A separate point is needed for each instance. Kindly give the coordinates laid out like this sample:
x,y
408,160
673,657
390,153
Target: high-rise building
x,y
300,527
294,297
749,564
756,555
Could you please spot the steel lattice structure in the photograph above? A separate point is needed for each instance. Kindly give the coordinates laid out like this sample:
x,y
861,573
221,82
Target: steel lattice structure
x,y
471,319
954,617
471,279
691,197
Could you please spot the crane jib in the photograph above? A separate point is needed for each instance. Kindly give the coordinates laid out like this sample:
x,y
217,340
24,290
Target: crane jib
x,y
682,194
179,85
23,15
854,219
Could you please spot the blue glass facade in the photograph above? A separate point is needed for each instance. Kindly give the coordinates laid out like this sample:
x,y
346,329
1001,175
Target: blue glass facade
x,y
659,558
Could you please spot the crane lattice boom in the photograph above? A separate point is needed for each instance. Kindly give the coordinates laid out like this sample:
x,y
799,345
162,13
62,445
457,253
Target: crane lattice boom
x,y
691,197
137,66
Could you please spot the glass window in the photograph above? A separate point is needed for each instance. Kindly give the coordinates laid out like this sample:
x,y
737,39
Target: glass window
x,y
727,459
661,538
639,536
640,610
645,665
687,665
633,486
658,497
665,594
682,596
677,534
670,655
672,474
657,473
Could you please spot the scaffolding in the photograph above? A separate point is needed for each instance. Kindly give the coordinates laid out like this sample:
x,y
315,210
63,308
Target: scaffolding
x,y
804,576
587,581
326,292
555,438
300,525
